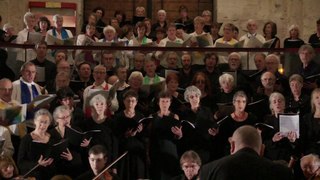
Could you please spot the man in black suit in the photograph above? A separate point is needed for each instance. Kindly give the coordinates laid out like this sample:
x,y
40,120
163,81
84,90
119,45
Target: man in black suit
x,y
245,161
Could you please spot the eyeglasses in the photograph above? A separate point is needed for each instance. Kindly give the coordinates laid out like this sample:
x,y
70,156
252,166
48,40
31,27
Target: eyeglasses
x,y
200,82
64,117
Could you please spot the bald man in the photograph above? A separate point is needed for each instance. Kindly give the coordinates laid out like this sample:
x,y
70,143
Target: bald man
x,y
245,161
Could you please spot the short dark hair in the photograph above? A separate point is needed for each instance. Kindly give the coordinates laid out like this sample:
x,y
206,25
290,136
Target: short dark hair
x,y
64,92
99,8
208,55
164,94
97,149
40,43
130,93
44,19
318,21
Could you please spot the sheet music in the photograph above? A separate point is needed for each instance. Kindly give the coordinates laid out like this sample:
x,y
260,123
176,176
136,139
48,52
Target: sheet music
x,y
289,123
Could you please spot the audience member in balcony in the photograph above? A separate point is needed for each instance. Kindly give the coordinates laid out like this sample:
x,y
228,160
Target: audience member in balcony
x,y
160,34
46,70
171,37
187,71
58,30
309,69
99,11
92,20
122,17
149,33
227,39
314,39
140,15
199,23
9,35
87,39
270,32
214,31
126,33
115,23
293,41
184,19
161,20
236,33
141,38
43,26
30,23
207,15
252,28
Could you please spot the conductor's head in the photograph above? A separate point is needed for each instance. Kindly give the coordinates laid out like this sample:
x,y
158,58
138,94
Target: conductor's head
x,y
245,137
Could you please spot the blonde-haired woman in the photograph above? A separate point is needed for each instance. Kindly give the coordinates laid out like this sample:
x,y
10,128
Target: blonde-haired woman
x,y
293,41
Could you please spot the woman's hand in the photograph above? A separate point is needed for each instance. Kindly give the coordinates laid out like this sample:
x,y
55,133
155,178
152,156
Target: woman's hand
x,y
177,131
277,137
133,132
292,136
67,155
45,162
213,131
85,142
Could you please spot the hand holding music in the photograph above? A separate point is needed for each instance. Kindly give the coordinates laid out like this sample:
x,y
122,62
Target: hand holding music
x,y
213,131
85,142
292,136
67,155
277,137
177,131
45,162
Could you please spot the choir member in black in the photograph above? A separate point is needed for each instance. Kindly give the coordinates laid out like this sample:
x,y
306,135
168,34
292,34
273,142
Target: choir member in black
x,y
27,158
309,69
202,82
131,139
314,39
211,61
100,121
225,95
135,82
199,130
165,132
298,101
312,127
190,163
65,96
98,158
178,104
293,41
71,159
187,71
279,146
6,71
235,120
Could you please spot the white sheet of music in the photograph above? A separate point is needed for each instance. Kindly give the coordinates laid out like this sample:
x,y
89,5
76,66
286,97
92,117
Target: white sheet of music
x,y
289,122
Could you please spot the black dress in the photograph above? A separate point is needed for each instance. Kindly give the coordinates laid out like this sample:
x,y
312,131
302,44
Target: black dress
x,y
312,132
133,165
106,137
196,136
163,147
302,106
63,166
27,159
227,128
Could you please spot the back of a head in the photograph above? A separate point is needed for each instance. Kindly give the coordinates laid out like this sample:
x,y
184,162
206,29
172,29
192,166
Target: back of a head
x,y
247,136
